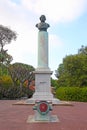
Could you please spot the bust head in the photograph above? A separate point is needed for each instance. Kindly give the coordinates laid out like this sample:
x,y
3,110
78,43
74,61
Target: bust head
x,y
42,18
42,26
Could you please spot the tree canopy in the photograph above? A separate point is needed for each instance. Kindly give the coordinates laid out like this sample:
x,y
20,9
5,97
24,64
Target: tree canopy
x,y
21,72
6,36
73,70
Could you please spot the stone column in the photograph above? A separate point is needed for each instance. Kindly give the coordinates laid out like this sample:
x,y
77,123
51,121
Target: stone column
x,y
42,50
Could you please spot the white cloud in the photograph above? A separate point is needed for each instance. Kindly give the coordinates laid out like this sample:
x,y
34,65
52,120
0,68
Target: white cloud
x,y
57,10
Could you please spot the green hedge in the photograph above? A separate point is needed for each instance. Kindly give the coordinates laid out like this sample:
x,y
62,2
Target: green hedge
x,y
72,94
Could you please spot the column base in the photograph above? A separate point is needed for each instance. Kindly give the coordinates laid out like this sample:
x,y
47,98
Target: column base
x,y
32,101
43,96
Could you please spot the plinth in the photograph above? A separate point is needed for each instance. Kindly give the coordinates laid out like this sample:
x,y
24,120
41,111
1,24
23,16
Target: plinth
x,y
42,84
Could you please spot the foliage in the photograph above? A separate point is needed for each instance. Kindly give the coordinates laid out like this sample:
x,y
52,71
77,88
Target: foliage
x,y
54,83
6,36
5,58
72,94
59,71
83,50
73,71
14,92
2,92
21,72
6,81
3,70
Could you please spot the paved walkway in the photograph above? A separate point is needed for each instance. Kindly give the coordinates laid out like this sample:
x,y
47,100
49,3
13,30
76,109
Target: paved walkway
x,y
14,117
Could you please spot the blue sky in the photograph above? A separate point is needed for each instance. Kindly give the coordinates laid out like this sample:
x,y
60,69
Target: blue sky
x,y
67,32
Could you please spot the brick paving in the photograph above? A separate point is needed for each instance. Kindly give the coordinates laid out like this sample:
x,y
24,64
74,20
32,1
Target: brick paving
x,y
14,117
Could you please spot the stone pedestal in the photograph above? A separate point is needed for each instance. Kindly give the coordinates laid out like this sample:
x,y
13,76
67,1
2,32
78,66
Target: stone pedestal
x,y
42,85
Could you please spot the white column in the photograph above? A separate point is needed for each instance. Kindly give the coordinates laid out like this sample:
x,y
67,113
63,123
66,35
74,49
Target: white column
x,y
43,50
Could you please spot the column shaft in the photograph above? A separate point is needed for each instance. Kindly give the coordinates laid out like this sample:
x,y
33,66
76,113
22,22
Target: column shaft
x,y
42,49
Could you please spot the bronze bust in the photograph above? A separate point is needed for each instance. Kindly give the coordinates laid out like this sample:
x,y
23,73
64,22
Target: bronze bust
x,y
42,26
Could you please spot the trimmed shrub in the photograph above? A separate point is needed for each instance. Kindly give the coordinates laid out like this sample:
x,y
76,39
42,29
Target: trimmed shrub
x,y
60,93
72,94
83,94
